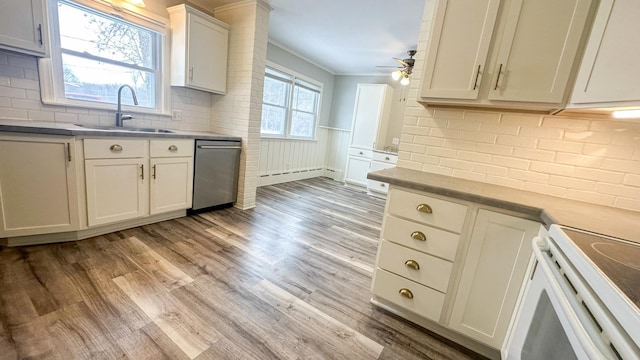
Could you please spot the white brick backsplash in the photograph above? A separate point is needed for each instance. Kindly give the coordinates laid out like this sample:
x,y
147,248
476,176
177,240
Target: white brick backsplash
x,y
479,137
541,133
425,159
632,180
618,190
519,141
545,189
459,144
534,154
552,168
520,120
415,130
474,156
426,140
456,164
25,104
610,150
6,91
483,118
565,123
441,152
489,169
510,162
598,175
464,125
13,113
436,169
66,117
591,197
560,145
588,137
38,115
624,203
494,149
448,114
528,176
572,183
468,175
503,181
5,102
579,160
446,133
414,148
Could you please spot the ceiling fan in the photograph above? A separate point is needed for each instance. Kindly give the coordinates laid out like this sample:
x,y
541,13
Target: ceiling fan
x,y
405,70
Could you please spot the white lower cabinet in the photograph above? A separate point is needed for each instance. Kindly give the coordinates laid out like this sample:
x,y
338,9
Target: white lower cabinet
x,y
492,275
116,190
453,266
358,164
123,182
171,167
38,188
381,161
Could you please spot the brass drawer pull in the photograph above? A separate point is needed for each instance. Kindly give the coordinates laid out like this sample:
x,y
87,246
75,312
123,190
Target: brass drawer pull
x,y
115,148
387,158
424,208
406,293
418,235
412,264
173,148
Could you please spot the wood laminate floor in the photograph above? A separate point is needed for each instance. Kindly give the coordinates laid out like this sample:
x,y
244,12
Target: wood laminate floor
x,y
289,279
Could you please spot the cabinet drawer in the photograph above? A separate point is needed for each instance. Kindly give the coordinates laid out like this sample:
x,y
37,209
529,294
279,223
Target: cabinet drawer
x,y
386,158
360,152
114,148
422,268
443,214
171,147
438,242
425,302
377,186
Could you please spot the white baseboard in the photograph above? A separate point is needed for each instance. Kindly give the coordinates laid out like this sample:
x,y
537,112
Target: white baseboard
x,y
279,178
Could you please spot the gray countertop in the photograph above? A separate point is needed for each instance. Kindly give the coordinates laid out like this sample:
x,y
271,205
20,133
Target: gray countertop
x,y
623,224
48,128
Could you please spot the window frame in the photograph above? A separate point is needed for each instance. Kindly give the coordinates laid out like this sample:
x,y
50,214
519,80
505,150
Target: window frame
x,y
289,104
51,72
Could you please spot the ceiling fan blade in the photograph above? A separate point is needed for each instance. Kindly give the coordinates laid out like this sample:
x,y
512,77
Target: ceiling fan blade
x,y
401,61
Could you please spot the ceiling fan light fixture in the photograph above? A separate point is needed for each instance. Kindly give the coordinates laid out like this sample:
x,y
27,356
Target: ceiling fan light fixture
x,y
396,75
405,80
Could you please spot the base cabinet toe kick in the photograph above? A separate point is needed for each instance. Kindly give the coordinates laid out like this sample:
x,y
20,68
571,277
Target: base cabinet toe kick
x,y
452,266
64,188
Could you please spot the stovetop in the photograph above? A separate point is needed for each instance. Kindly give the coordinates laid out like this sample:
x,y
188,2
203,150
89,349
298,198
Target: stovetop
x,y
619,260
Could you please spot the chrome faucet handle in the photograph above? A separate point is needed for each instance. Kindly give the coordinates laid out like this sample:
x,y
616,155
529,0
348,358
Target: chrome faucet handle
x,y
126,117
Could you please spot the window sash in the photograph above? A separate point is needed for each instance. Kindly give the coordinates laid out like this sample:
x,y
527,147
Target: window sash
x,y
292,106
51,69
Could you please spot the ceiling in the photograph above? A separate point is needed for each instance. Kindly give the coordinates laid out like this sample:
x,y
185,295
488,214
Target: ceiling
x,y
345,37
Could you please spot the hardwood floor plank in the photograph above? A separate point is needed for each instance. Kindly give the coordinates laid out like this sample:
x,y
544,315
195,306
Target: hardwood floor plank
x,y
152,263
184,328
331,331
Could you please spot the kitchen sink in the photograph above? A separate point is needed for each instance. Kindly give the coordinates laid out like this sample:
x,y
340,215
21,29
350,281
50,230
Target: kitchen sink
x,y
117,128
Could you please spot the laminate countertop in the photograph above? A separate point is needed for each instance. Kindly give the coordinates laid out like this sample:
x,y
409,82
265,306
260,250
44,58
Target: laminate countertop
x,y
49,128
623,224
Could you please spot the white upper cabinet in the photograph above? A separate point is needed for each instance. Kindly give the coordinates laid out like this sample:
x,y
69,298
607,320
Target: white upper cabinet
x,y
199,50
458,48
532,47
22,26
610,70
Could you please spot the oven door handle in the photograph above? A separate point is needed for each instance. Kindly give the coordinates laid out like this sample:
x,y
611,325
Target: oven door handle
x,y
592,349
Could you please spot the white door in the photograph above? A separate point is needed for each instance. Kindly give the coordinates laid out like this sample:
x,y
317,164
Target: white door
x,y
116,190
492,276
38,189
538,50
457,50
207,55
171,184
22,25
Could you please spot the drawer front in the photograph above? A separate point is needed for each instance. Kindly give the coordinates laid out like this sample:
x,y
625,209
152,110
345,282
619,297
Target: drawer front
x,y
171,147
425,302
387,158
436,242
443,214
360,152
422,268
114,148
377,186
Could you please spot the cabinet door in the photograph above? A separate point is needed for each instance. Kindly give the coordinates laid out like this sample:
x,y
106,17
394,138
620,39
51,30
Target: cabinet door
x,y
116,190
357,170
609,70
171,184
38,190
22,26
206,55
457,48
379,186
367,113
538,50
493,273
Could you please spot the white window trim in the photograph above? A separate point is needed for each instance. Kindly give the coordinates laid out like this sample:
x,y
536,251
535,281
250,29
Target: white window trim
x,y
51,78
296,75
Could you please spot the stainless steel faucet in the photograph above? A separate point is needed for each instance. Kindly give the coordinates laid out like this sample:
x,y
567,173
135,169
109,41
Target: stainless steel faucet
x,y
119,117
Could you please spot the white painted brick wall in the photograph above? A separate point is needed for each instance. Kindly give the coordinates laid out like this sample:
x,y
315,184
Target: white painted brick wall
x,y
596,161
20,100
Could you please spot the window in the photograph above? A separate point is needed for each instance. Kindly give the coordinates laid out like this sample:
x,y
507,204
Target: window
x,y
96,50
289,106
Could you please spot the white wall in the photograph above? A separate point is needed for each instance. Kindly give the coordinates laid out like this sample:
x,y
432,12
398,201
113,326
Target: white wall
x,y
596,161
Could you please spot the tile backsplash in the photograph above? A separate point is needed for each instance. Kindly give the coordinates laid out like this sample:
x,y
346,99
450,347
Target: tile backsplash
x,y
596,161
20,100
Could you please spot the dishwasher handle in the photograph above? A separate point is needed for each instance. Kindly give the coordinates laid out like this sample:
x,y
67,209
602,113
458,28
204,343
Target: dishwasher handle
x,y
218,147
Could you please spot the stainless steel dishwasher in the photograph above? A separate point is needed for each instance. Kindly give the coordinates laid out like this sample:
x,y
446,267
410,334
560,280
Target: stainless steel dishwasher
x,y
215,178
